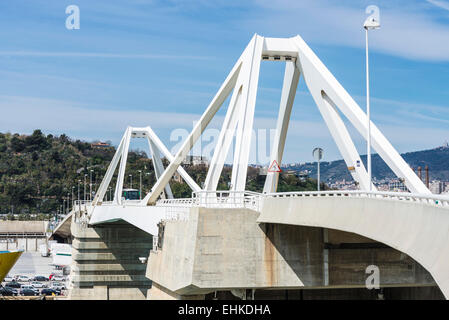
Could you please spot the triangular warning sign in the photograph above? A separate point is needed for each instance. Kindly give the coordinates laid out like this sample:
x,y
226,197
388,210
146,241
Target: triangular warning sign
x,y
274,167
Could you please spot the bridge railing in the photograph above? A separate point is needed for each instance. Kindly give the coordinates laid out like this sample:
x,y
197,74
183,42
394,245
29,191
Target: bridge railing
x,y
227,199
254,200
430,199
216,199
179,202
80,205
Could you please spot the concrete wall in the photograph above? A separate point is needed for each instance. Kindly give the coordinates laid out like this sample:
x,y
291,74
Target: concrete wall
x,y
224,249
26,244
23,226
106,262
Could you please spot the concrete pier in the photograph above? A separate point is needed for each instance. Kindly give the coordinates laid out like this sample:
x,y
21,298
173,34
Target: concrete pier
x,y
226,251
106,263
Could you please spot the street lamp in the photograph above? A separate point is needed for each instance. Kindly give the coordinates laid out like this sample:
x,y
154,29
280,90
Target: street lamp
x,y
371,23
318,155
131,181
90,185
85,177
79,202
73,188
140,184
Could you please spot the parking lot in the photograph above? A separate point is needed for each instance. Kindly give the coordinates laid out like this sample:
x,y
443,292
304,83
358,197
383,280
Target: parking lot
x,y
20,285
30,277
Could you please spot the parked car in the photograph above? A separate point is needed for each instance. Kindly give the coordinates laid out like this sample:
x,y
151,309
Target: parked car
x,y
13,284
15,291
57,278
8,278
38,285
29,292
40,278
7,291
50,292
57,286
22,278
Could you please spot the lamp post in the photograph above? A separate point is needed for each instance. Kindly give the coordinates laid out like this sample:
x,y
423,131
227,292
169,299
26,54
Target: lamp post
x,y
371,23
90,185
131,181
148,175
140,184
73,198
79,202
85,177
318,155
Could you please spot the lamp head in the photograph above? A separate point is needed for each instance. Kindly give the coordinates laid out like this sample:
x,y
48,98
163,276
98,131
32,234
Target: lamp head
x,y
373,20
371,23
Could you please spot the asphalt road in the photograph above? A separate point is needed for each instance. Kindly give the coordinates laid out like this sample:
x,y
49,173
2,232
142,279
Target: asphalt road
x,y
32,264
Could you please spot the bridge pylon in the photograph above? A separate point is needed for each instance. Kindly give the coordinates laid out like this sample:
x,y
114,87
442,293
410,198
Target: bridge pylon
x,y
329,95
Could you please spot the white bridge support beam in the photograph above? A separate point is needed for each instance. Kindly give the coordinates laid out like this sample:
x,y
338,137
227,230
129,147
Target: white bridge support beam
x,y
250,71
188,179
291,78
342,138
99,196
156,148
331,98
224,139
121,172
158,166
316,74
222,94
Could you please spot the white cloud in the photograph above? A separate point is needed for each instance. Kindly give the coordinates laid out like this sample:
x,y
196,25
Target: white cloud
x,y
98,55
440,4
407,31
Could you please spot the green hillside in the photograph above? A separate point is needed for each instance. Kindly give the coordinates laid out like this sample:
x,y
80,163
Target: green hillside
x,y
38,172
437,159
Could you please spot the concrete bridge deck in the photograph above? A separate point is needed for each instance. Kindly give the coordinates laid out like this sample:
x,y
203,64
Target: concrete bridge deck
x,y
417,225
413,224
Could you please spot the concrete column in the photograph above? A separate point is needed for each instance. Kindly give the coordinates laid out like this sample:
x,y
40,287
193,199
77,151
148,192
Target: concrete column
x,y
106,262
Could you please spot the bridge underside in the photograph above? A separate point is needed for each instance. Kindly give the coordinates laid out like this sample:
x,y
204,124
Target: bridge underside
x,y
229,250
419,230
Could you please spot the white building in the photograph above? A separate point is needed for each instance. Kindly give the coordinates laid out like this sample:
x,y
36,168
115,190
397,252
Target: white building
x,y
436,187
195,160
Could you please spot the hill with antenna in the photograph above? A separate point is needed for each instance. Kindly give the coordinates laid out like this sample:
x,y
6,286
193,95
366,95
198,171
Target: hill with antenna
x,y
437,159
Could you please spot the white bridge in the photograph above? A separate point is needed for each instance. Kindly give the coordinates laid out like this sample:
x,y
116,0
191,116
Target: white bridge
x,y
416,223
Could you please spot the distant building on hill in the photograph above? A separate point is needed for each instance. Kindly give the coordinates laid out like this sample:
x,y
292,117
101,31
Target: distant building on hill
x,y
436,187
100,145
303,175
195,160
397,186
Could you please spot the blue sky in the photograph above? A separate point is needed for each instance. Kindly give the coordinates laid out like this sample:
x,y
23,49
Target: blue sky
x,y
159,63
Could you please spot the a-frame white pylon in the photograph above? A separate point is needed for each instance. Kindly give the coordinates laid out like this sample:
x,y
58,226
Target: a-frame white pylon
x,y
329,95
156,148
